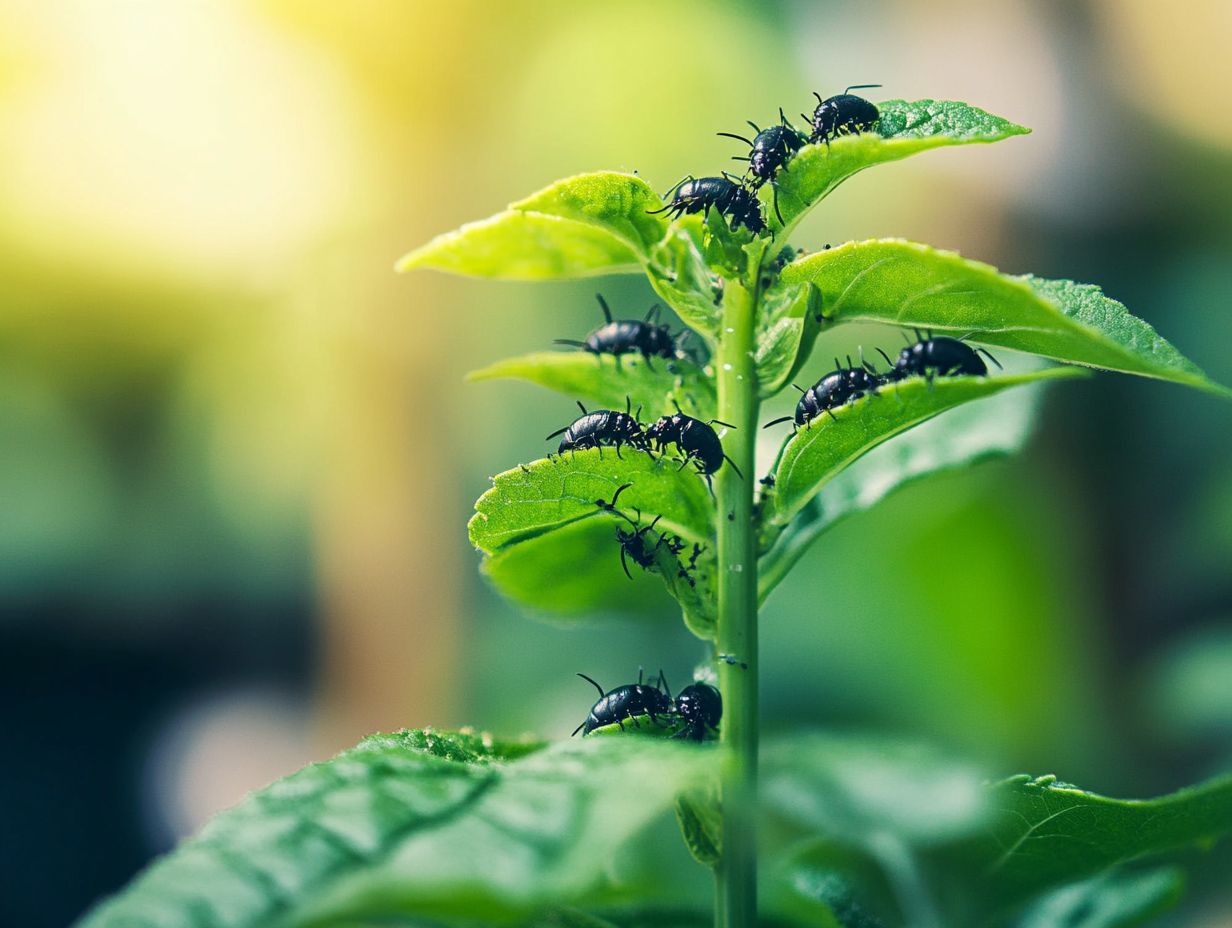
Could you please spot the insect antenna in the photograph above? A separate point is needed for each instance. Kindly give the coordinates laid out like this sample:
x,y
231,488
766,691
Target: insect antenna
x,y
886,356
652,314
988,354
557,432
732,135
581,407
726,425
776,422
756,128
607,313
800,388
579,728
572,342
594,684
733,466
861,87
774,192
624,562
663,683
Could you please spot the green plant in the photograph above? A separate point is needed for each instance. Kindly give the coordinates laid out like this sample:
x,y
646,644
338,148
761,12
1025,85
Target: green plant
x,y
460,828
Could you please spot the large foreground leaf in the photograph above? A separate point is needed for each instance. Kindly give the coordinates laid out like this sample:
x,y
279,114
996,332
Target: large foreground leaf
x,y
429,825
588,224
988,428
606,381
912,285
904,129
1045,834
951,850
817,453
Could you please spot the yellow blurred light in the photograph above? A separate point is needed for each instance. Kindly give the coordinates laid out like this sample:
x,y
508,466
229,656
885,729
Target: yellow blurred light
x,y
187,132
1173,62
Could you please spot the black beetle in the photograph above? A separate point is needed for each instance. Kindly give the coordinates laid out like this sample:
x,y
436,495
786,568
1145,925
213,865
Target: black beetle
x,y
842,385
769,150
940,356
728,196
626,702
602,427
695,439
844,114
628,336
633,545
701,708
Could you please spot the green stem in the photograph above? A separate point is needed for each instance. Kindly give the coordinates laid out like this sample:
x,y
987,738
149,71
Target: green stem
x,y
736,873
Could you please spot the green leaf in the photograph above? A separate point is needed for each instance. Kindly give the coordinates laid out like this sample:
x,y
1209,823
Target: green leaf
x,y
575,571
447,827
588,224
679,273
607,380
1114,900
994,427
619,204
1045,834
854,789
700,817
786,336
541,554
903,129
817,453
548,494
907,284
524,246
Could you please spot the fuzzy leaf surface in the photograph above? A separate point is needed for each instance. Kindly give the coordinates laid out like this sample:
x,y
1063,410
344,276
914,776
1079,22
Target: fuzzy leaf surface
x,y
601,380
616,203
441,826
989,428
817,453
903,129
906,284
588,224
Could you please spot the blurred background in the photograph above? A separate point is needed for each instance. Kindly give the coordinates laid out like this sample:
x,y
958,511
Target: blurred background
x,y
237,453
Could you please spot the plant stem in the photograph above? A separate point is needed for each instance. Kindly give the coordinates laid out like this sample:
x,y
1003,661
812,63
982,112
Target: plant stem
x,y
736,873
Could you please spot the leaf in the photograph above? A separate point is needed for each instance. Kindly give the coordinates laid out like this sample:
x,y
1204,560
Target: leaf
x,y
818,452
907,284
548,494
588,224
1045,834
785,339
606,381
427,825
903,129
553,549
619,204
1114,900
524,246
575,570
854,789
678,273
700,817
992,427
888,800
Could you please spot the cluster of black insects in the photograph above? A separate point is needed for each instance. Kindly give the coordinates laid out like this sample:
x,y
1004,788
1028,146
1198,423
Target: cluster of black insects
x,y
696,708
770,150
929,357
